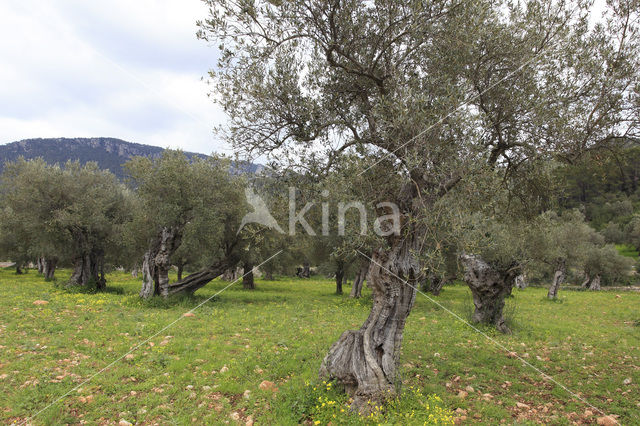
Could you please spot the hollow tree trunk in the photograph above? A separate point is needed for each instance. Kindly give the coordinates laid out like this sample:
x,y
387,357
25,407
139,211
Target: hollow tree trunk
x,y
595,283
489,286
365,360
49,268
339,277
358,281
248,282
558,279
197,280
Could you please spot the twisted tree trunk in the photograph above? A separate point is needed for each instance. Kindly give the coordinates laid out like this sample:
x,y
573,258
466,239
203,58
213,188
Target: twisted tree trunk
x,y
199,279
595,283
49,268
358,281
157,262
521,282
365,360
558,279
88,270
489,286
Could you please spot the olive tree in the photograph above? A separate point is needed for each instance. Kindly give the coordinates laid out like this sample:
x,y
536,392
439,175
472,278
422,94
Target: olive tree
x,y
429,92
73,213
180,197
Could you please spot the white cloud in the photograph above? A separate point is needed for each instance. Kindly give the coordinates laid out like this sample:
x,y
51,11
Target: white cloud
x,y
123,69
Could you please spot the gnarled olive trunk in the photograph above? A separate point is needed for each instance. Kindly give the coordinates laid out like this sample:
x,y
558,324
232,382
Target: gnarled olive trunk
x,y
49,268
157,262
248,281
88,269
521,282
199,279
594,284
558,278
358,281
365,360
40,265
489,286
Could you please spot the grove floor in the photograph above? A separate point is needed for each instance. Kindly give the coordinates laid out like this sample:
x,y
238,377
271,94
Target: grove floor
x,y
201,367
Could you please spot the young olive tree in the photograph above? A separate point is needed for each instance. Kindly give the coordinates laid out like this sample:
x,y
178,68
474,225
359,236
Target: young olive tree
x,y
429,91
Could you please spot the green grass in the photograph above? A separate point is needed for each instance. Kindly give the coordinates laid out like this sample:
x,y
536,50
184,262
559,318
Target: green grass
x,y
280,332
627,250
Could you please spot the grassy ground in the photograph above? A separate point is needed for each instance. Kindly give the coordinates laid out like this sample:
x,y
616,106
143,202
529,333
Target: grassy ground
x,y
199,369
627,250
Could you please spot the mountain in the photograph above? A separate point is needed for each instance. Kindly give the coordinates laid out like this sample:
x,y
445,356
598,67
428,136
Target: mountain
x,y
109,153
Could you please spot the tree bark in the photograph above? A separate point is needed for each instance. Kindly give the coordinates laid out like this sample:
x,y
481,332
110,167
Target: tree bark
x,y
558,279
339,277
49,268
157,263
88,270
435,284
521,282
358,281
18,269
595,283
40,264
199,279
180,270
587,280
248,282
364,361
306,270
489,286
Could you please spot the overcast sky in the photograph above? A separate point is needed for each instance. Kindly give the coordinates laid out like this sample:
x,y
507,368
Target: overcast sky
x,y
129,69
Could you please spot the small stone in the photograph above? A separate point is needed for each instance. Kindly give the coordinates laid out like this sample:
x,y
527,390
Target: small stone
x,y
588,413
267,385
246,394
206,388
627,381
607,421
189,387
512,355
123,422
249,421
224,369
189,314
129,357
461,411
469,389
235,416
462,394
40,302
522,405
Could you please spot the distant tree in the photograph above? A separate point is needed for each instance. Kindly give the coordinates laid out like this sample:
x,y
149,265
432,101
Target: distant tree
x,y
72,214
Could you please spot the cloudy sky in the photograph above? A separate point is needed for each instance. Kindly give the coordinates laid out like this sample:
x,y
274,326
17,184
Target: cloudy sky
x,y
118,68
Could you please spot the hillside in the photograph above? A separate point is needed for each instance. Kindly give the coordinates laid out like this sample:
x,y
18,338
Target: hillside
x,y
109,153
